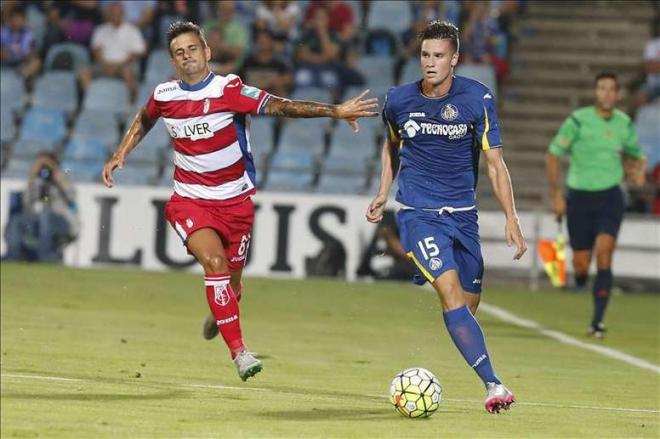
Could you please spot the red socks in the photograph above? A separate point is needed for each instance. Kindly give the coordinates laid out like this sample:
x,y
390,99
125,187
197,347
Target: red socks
x,y
224,307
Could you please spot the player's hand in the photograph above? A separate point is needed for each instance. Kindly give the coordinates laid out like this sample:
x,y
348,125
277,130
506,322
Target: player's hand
x,y
558,204
514,235
116,161
355,108
376,208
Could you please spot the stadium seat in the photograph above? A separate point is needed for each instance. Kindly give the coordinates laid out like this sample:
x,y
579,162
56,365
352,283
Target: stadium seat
x,y
7,127
394,16
44,124
345,163
293,161
97,125
361,144
378,71
315,94
288,181
262,135
66,56
159,68
166,176
82,149
56,89
303,134
12,91
483,73
341,184
136,175
18,168
83,171
109,95
151,149
29,148
646,123
411,72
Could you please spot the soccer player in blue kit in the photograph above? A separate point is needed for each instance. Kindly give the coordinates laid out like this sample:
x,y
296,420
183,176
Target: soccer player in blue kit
x,y
436,128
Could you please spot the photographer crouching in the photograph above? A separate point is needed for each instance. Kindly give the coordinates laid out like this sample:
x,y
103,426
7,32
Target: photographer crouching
x,y
48,219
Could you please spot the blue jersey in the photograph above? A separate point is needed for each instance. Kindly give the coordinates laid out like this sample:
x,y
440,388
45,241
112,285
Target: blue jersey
x,y
440,141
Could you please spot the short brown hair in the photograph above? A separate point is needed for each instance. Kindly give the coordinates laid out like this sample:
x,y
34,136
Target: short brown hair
x,y
440,30
183,27
607,75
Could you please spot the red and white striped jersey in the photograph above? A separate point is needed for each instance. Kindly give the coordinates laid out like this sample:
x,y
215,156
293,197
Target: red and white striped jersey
x,y
208,123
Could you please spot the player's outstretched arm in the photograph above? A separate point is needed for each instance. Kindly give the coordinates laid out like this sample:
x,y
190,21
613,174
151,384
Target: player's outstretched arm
x,y
501,182
350,110
139,128
389,168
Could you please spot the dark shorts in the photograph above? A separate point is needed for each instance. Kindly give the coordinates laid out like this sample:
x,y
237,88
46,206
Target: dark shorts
x,y
590,213
233,224
437,243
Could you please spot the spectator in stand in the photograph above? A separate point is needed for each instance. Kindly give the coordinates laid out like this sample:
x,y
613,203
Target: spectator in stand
x,y
340,17
18,47
650,89
79,19
479,31
55,30
317,54
227,39
141,13
264,70
280,18
117,46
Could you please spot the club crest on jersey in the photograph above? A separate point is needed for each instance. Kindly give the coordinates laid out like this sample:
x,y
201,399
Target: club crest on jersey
x,y
435,264
207,104
221,295
449,112
250,92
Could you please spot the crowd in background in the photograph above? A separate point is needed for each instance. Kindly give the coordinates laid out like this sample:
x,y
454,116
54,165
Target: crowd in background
x,y
273,44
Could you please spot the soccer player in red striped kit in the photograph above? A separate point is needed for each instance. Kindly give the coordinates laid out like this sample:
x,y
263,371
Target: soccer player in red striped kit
x,y
207,116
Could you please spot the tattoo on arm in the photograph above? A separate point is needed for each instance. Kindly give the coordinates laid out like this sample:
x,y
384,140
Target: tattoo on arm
x,y
277,106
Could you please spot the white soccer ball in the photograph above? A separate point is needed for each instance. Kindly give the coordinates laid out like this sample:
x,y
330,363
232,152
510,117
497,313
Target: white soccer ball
x,y
415,393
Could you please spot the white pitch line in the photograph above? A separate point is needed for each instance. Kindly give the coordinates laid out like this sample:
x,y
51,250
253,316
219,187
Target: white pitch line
x,y
332,398
561,337
39,377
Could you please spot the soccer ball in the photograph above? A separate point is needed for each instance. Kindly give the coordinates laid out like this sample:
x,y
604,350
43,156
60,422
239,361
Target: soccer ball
x,y
415,393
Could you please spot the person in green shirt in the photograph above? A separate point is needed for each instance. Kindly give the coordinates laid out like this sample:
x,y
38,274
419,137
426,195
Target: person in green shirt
x,y
604,150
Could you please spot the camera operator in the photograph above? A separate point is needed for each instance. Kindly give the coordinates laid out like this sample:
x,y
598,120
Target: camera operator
x,y
49,219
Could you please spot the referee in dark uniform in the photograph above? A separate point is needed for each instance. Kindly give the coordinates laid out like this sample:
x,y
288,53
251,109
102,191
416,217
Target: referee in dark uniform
x,y
603,148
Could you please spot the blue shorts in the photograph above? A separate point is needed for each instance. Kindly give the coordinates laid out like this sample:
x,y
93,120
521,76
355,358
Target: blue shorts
x,y
440,242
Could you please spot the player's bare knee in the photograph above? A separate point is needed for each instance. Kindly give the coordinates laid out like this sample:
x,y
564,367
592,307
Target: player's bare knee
x,y
451,295
214,263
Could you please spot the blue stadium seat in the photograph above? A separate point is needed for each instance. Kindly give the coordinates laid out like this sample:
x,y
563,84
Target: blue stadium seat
x,y
29,148
110,95
97,125
56,89
346,163
262,134
45,124
82,149
83,171
159,68
66,56
341,184
12,91
136,175
378,71
289,181
484,73
7,127
646,123
411,72
145,90
303,134
18,168
315,94
394,16
152,148
361,144
293,161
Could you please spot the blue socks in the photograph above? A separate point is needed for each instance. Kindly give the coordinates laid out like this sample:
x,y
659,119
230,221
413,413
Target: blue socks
x,y
601,291
469,339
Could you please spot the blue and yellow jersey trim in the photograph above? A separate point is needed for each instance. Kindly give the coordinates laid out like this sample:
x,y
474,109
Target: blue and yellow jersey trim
x,y
485,144
394,135
421,268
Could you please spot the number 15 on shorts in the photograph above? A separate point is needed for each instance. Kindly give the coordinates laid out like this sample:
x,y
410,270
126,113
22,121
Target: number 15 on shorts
x,y
428,247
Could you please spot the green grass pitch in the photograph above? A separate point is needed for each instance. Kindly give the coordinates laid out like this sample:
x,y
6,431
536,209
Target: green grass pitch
x,y
118,353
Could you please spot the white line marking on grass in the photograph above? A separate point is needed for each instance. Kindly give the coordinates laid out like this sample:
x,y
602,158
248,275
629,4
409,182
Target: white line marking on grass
x,y
39,377
334,398
561,337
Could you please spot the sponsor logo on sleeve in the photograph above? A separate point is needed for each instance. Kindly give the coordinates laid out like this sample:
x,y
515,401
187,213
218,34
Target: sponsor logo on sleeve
x,y
250,92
